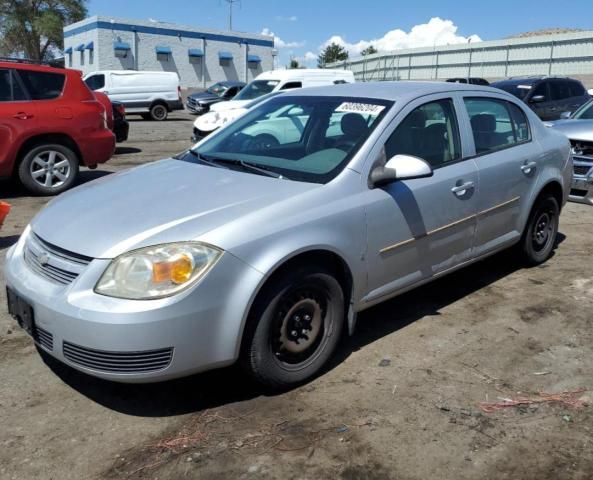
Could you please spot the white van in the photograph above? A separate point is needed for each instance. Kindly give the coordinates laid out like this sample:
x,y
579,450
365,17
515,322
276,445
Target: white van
x,y
151,94
265,83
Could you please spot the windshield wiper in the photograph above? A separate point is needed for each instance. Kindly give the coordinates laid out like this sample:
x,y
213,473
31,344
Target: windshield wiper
x,y
246,165
202,159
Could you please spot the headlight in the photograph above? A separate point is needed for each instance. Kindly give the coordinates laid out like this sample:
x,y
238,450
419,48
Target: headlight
x,y
156,272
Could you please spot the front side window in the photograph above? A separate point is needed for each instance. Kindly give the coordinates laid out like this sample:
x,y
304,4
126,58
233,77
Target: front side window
x,y
309,139
559,90
291,85
429,132
256,89
42,85
541,91
95,82
496,124
5,86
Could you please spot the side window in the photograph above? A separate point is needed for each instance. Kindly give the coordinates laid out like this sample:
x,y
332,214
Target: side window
x,y
231,92
541,90
10,88
289,85
496,124
559,89
95,82
42,85
576,89
429,132
5,86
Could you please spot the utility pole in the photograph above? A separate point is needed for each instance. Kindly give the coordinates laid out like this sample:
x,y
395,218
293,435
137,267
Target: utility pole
x,y
231,3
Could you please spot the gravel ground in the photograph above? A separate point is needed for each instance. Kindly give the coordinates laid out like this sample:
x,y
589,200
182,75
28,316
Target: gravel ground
x,y
400,400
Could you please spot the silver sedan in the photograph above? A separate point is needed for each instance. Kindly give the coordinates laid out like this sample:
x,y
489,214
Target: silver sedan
x,y
264,241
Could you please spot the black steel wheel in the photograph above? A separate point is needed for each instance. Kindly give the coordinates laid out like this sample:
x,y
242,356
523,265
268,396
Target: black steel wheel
x,y
539,238
294,327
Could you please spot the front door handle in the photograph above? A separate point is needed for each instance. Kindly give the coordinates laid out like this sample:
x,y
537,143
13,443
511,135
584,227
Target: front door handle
x,y
22,116
528,167
461,190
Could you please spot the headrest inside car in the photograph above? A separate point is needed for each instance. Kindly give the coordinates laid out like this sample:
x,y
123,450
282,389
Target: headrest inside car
x,y
484,122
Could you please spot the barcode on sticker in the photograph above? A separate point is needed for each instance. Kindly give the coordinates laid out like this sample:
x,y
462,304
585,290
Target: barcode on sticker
x,y
355,107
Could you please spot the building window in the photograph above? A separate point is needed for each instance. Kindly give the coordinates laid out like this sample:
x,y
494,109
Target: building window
x,y
163,53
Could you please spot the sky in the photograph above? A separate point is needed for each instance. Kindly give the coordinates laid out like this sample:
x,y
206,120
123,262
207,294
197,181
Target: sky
x,y
303,27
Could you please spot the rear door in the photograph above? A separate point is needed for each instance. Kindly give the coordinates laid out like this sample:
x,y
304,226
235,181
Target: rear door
x,y
507,159
561,98
422,227
578,95
18,117
545,107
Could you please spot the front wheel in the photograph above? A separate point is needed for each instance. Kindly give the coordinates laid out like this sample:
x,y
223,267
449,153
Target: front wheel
x,y
294,327
539,238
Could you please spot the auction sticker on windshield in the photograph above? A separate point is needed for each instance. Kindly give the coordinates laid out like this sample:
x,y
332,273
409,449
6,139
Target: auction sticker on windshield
x,y
355,107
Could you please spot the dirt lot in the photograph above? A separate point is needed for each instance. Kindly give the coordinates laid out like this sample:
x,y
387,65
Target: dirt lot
x,y
400,401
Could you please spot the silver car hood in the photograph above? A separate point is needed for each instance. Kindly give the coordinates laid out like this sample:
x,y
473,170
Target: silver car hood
x,y
166,201
575,129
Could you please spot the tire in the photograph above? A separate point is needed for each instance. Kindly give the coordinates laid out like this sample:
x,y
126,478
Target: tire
x,y
48,169
146,116
274,352
158,112
539,238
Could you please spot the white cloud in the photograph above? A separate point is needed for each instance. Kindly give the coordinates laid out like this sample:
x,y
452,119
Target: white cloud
x,y
436,32
306,58
279,43
292,18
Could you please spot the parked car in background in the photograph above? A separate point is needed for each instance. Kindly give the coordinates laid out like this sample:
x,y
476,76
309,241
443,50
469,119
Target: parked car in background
x,y
199,103
266,253
50,124
548,97
579,130
263,84
121,127
469,80
151,94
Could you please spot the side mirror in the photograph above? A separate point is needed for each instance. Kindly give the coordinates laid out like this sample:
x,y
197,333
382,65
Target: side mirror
x,y
565,115
400,167
537,99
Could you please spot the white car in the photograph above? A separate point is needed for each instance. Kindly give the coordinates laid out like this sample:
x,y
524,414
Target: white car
x,y
265,83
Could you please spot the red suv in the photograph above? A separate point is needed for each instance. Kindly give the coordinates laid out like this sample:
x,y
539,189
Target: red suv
x,y
50,124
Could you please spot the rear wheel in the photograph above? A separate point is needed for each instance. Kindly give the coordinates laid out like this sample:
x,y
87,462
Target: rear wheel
x,y
158,112
48,169
294,327
539,238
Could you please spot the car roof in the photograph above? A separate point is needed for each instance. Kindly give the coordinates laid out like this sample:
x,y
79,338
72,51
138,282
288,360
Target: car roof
x,y
35,67
230,83
400,90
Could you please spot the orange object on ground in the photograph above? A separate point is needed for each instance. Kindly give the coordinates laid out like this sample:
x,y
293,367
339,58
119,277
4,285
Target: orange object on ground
x,y
4,209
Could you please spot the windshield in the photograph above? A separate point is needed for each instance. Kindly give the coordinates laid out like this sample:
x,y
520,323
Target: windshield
x,y
519,90
217,89
585,112
256,89
261,99
309,139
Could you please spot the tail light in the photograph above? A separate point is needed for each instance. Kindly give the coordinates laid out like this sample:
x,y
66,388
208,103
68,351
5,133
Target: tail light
x,y
121,110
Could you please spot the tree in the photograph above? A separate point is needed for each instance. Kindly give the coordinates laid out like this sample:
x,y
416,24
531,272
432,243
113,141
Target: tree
x,y
369,51
294,63
33,28
332,53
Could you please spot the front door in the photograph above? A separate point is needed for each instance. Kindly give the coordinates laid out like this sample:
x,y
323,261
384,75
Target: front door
x,y
422,227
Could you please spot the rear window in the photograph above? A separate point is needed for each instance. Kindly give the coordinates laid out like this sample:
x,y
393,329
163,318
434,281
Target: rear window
x,y
42,85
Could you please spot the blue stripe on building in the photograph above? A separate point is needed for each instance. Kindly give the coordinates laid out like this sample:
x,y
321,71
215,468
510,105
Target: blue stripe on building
x,y
125,27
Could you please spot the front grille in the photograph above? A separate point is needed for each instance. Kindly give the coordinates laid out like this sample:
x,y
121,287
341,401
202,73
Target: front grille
x,y
581,169
53,263
118,362
580,147
44,338
191,101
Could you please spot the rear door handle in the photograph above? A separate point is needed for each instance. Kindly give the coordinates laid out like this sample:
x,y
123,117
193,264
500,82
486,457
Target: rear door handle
x,y
22,116
461,190
528,167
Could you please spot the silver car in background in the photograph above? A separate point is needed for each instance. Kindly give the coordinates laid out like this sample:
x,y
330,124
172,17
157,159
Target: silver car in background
x,y
266,251
578,127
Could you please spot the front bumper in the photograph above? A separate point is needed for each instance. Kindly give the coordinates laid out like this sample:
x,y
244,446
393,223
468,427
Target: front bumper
x,y
124,340
581,190
197,108
199,135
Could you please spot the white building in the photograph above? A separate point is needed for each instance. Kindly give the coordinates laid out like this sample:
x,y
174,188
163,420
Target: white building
x,y
200,56
566,54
